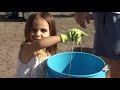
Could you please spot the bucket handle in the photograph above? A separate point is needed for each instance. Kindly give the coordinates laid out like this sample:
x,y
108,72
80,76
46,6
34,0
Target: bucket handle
x,y
106,68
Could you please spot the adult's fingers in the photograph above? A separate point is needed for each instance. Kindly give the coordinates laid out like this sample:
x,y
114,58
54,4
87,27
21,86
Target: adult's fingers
x,y
82,23
84,34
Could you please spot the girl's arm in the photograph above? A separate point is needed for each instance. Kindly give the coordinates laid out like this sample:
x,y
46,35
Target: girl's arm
x,y
46,42
28,49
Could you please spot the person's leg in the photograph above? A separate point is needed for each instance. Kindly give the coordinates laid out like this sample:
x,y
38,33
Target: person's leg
x,y
107,61
115,68
15,15
26,15
114,71
107,35
8,14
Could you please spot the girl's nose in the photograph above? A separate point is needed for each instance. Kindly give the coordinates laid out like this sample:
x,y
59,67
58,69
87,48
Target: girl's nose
x,y
38,33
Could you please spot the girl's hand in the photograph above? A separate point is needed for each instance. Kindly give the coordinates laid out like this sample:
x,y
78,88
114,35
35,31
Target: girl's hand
x,y
77,34
71,34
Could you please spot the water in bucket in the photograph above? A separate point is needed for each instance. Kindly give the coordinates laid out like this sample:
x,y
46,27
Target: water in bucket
x,y
83,65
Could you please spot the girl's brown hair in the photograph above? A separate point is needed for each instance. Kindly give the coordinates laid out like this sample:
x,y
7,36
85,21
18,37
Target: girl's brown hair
x,y
52,27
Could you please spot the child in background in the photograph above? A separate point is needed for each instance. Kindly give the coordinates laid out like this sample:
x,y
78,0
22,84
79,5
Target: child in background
x,y
26,15
41,43
11,15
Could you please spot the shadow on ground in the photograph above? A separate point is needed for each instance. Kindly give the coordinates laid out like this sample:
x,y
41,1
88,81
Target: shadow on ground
x,y
70,15
86,50
3,19
20,19
63,16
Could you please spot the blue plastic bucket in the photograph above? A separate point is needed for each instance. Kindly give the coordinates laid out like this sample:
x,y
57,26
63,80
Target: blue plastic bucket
x,y
83,65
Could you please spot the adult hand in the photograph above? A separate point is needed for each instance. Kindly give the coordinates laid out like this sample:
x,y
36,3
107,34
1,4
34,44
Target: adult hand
x,y
82,18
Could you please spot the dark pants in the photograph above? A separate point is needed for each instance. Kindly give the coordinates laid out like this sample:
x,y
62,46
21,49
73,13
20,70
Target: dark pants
x,y
107,40
107,35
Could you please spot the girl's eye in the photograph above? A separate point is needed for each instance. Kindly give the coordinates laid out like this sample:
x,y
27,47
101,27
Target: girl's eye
x,y
43,30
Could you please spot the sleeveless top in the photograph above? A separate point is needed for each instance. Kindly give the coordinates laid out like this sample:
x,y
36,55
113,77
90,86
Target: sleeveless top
x,y
35,68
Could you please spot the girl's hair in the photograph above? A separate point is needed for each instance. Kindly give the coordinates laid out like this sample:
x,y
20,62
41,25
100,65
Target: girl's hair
x,y
52,27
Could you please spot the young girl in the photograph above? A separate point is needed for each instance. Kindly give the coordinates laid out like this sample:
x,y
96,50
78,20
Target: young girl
x,y
40,43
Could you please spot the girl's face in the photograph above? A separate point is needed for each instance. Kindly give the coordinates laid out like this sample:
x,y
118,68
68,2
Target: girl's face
x,y
40,29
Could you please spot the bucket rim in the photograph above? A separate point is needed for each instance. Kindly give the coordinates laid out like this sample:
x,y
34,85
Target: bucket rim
x,y
88,75
78,76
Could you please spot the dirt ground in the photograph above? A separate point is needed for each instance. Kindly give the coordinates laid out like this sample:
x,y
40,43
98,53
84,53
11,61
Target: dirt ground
x,y
12,35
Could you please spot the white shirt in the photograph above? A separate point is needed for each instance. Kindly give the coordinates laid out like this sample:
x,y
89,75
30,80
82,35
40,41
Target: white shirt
x,y
35,68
